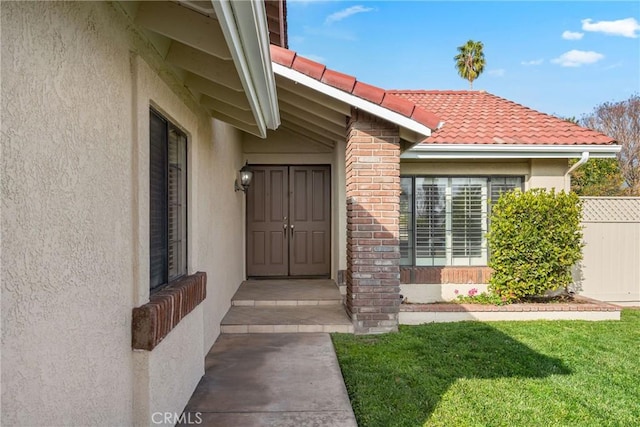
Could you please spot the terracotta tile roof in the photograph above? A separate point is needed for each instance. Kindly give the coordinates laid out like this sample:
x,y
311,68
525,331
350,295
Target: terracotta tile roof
x,y
349,84
478,117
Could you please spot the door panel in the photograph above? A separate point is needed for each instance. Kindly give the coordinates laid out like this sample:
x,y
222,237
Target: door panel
x,y
309,248
288,221
267,247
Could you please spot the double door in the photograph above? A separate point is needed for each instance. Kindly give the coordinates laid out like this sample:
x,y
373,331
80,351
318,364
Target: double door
x,y
288,221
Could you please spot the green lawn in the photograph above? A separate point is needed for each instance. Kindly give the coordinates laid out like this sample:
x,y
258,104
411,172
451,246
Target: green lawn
x,y
538,373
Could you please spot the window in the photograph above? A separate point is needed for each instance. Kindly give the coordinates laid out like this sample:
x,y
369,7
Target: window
x,y
167,201
444,220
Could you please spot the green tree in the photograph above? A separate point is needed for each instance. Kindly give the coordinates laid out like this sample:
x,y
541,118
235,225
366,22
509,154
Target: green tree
x,y
621,121
470,61
597,177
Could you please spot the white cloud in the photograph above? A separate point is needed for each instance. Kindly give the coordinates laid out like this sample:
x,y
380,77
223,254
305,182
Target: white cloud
x,y
498,72
345,13
572,35
576,58
533,62
612,66
622,27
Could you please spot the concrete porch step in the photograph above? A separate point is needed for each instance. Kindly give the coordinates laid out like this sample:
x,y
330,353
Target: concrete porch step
x,y
286,319
292,292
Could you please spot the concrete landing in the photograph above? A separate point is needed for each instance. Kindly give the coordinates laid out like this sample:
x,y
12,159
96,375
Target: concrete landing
x,y
287,292
290,319
272,380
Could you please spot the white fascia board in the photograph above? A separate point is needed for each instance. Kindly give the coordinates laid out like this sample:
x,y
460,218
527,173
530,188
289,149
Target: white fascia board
x,y
357,102
244,25
501,151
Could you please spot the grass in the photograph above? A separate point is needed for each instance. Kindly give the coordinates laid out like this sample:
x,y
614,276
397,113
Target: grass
x,y
537,373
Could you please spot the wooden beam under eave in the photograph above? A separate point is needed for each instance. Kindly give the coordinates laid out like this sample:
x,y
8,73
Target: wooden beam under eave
x,y
233,97
293,111
253,130
289,99
330,134
313,95
312,136
184,25
210,67
245,116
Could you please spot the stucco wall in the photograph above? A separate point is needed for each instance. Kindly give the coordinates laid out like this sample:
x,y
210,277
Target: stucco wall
x,y
66,216
537,173
549,173
77,83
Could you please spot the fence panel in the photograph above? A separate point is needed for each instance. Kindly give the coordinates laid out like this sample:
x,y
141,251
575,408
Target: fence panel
x,y
610,270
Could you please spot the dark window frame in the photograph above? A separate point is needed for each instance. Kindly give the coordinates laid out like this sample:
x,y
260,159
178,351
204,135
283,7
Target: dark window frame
x,y
412,227
160,205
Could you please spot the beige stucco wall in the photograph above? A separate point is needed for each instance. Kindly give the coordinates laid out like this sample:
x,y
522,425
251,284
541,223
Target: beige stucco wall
x,y
549,173
75,103
537,173
66,216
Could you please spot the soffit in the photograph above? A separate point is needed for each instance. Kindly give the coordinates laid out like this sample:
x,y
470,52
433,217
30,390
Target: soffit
x,y
189,37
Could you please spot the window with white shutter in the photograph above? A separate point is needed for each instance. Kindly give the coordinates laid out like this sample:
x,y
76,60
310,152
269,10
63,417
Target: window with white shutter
x,y
444,220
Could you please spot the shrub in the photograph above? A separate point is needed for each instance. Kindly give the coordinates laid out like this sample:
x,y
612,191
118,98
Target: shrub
x,y
535,239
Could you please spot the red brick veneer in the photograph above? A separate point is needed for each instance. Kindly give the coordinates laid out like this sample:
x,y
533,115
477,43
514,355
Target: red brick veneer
x,y
442,275
373,211
166,308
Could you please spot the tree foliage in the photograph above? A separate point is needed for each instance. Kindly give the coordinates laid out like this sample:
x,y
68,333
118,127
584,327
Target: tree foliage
x,y
621,121
470,61
598,177
535,240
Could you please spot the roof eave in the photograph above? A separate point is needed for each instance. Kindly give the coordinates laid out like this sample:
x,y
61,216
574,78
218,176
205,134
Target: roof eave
x,y
410,129
244,25
495,151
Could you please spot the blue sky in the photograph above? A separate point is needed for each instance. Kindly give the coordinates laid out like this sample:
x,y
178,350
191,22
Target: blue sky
x,y
561,58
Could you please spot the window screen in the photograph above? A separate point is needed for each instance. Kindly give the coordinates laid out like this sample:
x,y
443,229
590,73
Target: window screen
x,y
167,201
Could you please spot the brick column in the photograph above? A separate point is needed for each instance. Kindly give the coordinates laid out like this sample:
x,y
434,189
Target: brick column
x,y
373,210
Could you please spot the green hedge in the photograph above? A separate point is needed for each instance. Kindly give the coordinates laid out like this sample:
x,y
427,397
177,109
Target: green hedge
x,y
535,239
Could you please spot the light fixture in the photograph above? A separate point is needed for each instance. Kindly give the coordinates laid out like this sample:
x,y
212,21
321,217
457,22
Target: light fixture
x,y
246,174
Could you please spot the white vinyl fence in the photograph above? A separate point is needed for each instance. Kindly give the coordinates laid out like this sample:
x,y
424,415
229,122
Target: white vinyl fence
x,y
610,270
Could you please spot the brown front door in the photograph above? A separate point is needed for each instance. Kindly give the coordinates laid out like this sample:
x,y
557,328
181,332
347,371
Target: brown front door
x,y
288,221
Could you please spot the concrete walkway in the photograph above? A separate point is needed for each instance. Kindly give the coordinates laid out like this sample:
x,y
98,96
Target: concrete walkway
x,y
272,380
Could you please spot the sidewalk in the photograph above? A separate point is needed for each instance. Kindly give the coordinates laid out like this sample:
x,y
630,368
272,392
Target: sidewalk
x,y
272,380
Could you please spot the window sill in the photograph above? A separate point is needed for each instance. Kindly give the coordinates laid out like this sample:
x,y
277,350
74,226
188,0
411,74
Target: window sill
x,y
153,321
443,275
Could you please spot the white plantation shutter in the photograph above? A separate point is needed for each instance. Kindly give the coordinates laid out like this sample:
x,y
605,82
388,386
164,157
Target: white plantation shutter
x,y
406,221
468,219
501,184
430,219
444,221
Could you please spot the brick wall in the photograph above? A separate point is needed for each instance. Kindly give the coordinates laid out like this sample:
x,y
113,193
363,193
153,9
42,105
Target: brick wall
x,y
373,207
443,275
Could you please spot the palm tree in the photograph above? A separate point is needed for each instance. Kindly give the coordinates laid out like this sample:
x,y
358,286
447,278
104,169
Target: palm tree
x,y
470,61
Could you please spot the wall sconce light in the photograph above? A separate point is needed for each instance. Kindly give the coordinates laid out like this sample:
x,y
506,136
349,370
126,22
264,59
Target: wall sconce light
x,y
246,174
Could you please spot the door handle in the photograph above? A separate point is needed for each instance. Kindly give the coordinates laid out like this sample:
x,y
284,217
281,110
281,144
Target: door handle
x,y
292,234
285,229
